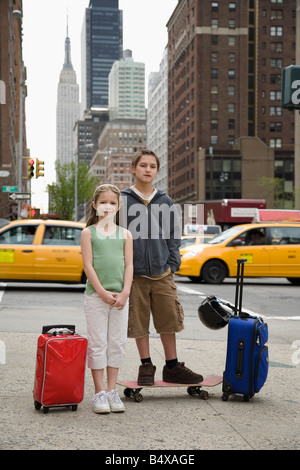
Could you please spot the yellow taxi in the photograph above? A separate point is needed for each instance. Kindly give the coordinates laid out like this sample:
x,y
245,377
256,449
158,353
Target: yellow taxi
x,y
41,250
188,240
271,249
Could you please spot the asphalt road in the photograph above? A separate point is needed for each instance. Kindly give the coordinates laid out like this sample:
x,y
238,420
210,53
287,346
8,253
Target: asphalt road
x,y
26,307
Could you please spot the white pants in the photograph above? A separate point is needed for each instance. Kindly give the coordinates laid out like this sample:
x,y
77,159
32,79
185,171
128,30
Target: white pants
x,y
106,332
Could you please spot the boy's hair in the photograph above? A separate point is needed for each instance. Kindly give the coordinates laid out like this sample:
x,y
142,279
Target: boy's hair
x,y
139,153
93,218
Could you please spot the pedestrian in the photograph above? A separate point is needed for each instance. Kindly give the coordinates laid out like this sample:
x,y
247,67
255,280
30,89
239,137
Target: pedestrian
x,y
107,259
153,221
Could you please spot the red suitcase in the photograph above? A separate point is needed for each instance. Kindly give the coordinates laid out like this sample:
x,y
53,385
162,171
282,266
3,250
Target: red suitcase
x,y
60,368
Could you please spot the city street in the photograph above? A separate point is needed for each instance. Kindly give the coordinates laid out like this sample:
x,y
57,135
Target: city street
x,y
167,419
26,307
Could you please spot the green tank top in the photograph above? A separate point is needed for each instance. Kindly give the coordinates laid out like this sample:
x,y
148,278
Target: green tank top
x,y
108,260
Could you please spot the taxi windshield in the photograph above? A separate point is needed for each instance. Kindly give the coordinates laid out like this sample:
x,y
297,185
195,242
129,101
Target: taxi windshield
x,y
224,235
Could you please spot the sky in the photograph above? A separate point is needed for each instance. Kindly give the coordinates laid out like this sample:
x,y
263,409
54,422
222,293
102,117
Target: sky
x,y
44,33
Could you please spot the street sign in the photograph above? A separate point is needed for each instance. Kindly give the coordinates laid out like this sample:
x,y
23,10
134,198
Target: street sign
x,y
4,173
9,189
19,196
290,87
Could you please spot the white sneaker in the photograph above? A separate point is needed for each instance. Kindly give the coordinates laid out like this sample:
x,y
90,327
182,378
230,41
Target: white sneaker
x,y
116,404
100,403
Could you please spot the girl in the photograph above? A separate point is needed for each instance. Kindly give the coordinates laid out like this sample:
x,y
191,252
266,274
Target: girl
x,y
107,259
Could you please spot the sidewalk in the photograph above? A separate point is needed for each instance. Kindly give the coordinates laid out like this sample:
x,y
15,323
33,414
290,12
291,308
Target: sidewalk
x,y
166,419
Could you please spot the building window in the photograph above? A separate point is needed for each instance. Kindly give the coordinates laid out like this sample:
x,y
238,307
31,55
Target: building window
x,y
214,23
276,30
214,73
276,63
276,143
231,7
231,74
276,47
215,6
214,57
231,40
231,124
231,90
275,95
275,111
214,124
275,127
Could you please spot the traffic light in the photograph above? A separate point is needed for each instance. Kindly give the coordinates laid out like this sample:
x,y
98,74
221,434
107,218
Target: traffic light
x,y
39,168
34,213
30,168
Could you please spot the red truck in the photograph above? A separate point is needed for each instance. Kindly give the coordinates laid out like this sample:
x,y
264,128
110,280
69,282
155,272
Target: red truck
x,y
229,212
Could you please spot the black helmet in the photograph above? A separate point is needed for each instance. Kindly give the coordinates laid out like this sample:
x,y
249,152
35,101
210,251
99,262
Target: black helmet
x,y
212,314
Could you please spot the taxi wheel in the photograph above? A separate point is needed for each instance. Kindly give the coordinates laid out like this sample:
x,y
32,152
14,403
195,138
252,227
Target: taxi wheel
x,y
214,272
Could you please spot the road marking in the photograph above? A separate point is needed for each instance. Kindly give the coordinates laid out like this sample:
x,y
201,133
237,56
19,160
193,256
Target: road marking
x,y
2,284
188,290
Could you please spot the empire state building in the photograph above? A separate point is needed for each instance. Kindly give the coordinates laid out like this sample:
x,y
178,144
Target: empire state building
x,y
67,109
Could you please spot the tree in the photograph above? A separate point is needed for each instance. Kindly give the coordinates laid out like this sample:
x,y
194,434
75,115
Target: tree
x,y
62,193
274,186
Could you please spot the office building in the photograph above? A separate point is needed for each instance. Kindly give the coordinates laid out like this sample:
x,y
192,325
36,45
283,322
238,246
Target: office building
x,y
102,45
157,119
226,125
126,83
67,109
13,92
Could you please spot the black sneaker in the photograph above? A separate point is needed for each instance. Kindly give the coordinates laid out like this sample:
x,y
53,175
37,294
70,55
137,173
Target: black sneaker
x,y
181,375
146,374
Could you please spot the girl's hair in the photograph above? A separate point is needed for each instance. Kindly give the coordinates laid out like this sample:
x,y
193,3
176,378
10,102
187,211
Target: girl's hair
x,y
93,218
139,153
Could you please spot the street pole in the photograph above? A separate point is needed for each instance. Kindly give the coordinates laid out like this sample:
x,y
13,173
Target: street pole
x,y
76,177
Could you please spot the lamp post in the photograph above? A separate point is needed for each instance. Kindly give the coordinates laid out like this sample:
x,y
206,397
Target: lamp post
x,y
223,178
76,180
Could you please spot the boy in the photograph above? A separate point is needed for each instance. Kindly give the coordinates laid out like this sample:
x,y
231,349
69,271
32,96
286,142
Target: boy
x,y
152,218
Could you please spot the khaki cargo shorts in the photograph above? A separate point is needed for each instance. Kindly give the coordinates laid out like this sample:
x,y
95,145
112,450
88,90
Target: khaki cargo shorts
x,y
156,296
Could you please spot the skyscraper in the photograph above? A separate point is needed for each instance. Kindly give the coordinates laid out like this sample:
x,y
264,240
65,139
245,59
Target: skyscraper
x,y
102,45
127,89
67,109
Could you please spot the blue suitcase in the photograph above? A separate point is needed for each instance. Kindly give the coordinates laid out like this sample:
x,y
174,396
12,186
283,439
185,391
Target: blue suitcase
x,y
247,359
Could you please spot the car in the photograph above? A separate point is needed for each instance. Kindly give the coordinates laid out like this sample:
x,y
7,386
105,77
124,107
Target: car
x,y
271,250
41,250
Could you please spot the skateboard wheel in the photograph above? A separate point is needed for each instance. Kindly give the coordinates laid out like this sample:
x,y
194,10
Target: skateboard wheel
x,y
203,395
225,396
74,407
45,410
138,397
127,392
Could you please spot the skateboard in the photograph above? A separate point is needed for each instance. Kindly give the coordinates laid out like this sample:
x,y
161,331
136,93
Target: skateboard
x,y
133,390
